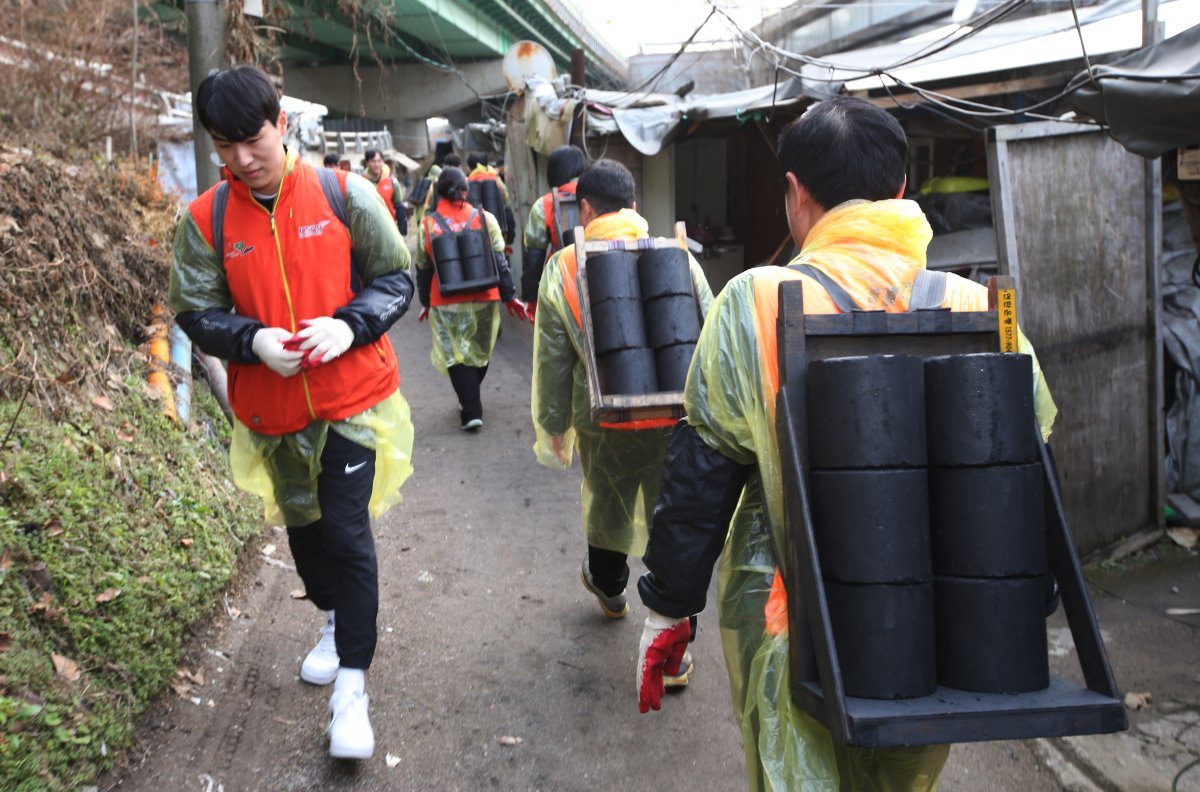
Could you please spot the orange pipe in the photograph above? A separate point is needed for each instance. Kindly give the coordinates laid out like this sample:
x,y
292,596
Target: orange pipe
x,y
160,360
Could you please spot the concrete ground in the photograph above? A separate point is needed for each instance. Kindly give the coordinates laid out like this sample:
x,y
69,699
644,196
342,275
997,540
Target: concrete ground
x,y
496,670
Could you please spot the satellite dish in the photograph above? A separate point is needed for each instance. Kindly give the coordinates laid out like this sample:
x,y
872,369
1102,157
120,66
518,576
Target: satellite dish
x,y
527,59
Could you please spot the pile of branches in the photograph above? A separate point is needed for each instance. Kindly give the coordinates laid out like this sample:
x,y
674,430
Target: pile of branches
x,y
67,73
84,255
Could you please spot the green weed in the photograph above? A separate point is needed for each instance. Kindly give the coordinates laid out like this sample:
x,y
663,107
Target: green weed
x,y
118,532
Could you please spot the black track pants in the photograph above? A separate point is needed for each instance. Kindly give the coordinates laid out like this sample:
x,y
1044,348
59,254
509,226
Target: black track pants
x,y
335,556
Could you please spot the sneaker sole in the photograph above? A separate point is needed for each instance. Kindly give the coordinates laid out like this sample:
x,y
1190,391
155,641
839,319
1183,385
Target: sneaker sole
x,y
360,754
679,680
313,679
612,614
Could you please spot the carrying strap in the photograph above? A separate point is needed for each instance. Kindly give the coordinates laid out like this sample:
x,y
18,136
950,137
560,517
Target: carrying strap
x,y
928,291
334,194
841,298
220,199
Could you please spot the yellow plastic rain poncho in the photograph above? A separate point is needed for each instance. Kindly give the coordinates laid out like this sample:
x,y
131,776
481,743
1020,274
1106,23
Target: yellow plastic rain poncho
x,y
617,464
874,251
283,469
463,333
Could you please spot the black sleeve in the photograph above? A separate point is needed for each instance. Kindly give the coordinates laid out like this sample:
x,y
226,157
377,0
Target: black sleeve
x,y
221,334
510,226
424,284
401,212
507,290
700,491
534,260
377,307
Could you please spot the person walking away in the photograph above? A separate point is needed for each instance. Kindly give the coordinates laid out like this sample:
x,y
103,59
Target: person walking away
x,y
331,160
294,274
465,326
621,462
542,238
379,173
843,163
479,170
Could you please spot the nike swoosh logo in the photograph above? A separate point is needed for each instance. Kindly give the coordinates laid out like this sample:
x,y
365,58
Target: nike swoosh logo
x,y
353,468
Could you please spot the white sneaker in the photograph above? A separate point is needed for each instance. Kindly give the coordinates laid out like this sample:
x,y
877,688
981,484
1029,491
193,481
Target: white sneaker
x,y
320,666
350,732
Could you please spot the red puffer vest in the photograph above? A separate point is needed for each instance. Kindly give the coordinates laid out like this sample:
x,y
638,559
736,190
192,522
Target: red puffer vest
x,y
283,267
457,215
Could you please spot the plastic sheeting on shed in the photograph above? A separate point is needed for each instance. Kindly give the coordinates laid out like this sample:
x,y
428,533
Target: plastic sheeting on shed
x,y
1149,100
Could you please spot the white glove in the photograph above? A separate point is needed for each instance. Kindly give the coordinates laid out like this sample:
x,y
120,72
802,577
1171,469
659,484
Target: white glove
x,y
268,345
325,338
664,640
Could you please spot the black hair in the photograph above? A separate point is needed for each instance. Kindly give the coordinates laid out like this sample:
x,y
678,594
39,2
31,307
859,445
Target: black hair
x,y
566,163
233,103
371,154
475,159
331,160
845,148
452,184
452,161
607,185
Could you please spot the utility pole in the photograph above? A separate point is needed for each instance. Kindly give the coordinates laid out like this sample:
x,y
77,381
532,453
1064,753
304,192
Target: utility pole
x,y
206,51
579,78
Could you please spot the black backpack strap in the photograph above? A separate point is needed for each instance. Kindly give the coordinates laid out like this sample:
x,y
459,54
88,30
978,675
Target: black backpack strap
x,y
220,199
841,298
928,291
334,194
442,224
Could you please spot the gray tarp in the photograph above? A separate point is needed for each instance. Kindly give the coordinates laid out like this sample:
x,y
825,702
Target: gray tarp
x,y
1149,100
1181,337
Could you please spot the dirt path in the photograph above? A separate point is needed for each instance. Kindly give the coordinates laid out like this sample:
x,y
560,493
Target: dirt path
x,y
485,632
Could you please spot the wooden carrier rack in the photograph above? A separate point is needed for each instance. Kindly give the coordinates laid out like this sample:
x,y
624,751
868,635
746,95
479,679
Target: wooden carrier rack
x,y
948,715
621,408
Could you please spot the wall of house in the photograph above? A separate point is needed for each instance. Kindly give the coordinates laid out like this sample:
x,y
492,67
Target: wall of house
x,y
1072,229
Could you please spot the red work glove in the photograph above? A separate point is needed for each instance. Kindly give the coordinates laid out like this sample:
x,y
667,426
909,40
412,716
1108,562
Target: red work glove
x,y
664,640
532,308
421,317
519,309
292,344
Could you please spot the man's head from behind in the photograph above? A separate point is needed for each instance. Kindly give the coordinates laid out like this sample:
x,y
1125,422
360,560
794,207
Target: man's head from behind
x,y
239,108
475,159
566,163
841,149
606,186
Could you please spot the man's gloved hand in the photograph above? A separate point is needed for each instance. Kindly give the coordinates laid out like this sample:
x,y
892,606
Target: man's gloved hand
x,y
519,309
664,640
531,306
324,339
421,317
268,344
558,445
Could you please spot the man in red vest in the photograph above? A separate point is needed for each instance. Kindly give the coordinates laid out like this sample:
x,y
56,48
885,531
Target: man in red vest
x,y
267,275
379,173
